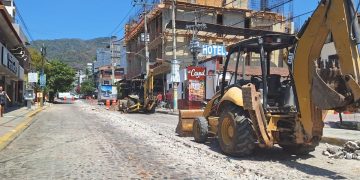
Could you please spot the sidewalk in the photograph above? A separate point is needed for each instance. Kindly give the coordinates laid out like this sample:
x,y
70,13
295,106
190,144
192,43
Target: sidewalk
x,y
338,134
350,121
14,123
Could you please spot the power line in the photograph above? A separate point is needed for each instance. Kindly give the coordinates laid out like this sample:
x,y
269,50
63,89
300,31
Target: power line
x,y
122,21
291,18
274,7
24,24
229,3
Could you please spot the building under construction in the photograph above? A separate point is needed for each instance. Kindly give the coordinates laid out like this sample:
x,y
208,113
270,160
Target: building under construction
x,y
220,23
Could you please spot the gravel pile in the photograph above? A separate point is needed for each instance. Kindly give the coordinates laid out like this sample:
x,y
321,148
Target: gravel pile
x,y
350,150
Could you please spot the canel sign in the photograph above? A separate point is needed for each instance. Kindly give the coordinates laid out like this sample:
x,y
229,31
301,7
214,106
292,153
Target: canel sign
x,y
196,73
213,50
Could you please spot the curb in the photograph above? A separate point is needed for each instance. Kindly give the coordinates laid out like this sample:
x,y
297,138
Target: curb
x,y
334,141
12,135
169,113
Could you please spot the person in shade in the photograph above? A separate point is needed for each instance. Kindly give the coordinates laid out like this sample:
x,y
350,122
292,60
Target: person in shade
x,y
3,96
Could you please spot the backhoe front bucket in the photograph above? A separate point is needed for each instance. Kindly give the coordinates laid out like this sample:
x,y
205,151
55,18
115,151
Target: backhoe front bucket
x,y
186,119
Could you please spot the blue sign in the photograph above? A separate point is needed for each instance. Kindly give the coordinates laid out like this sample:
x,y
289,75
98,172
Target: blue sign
x,y
214,50
43,80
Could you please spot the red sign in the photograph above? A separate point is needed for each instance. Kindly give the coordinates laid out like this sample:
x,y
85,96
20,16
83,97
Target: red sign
x,y
196,73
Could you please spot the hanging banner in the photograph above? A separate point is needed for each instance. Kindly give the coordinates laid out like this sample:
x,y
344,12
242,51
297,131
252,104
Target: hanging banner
x,y
196,90
33,77
43,80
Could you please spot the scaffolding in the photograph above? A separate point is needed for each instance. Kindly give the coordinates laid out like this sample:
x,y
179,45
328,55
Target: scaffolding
x,y
282,9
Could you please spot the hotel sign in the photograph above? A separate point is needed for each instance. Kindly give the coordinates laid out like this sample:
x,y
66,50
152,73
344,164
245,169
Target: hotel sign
x,y
213,50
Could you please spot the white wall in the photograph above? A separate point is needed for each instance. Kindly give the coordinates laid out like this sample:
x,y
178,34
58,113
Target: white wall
x,y
327,50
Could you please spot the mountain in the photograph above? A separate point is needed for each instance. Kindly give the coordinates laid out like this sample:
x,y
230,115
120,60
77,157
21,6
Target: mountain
x,y
75,52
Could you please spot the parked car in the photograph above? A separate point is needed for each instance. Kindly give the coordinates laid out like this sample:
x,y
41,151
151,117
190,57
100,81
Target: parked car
x,y
67,95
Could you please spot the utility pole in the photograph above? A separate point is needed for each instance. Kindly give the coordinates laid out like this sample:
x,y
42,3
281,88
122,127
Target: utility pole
x,y
43,54
112,59
174,64
146,39
195,43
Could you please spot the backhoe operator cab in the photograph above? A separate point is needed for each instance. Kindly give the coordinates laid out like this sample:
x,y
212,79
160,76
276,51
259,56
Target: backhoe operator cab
x,y
277,92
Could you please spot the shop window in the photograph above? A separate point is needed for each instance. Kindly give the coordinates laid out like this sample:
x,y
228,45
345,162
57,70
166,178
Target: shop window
x,y
219,19
247,23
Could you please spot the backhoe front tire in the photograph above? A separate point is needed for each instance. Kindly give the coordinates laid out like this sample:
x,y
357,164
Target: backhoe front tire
x,y
200,129
235,133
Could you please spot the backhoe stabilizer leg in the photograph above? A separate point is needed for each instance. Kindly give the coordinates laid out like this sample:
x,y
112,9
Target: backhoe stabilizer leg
x,y
253,105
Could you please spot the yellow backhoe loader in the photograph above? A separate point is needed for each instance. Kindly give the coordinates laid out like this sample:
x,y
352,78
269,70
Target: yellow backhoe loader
x,y
138,95
270,109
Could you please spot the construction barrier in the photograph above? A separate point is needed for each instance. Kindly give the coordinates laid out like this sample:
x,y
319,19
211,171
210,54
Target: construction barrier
x,y
108,104
114,105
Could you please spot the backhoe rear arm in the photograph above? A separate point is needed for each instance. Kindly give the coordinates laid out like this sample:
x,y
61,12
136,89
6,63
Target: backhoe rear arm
x,y
331,17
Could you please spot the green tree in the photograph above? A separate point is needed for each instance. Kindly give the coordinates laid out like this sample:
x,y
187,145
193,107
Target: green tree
x,y
36,64
59,78
87,87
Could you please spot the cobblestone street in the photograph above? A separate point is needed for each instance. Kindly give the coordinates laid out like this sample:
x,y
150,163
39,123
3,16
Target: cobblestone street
x,y
82,141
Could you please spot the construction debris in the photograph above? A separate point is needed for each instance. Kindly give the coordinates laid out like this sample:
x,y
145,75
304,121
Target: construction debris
x,y
350,150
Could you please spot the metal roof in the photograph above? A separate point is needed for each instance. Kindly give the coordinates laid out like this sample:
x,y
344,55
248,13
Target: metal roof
x,y
270,42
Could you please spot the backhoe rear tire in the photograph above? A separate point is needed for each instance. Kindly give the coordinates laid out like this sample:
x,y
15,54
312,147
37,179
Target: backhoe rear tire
x,y
298,149
235,132
200,129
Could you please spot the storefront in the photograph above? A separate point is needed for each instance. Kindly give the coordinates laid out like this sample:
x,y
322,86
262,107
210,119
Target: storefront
x,y
11,75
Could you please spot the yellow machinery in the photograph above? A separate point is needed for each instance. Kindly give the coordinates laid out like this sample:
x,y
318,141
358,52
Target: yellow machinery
x,y
270,109
139,96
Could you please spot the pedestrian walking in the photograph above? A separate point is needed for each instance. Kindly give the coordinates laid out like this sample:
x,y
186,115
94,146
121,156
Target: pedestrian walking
x,y
159,98
168,98
3,96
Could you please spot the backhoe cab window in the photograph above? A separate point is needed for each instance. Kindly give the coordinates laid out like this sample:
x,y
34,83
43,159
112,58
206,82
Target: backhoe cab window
x,y
249,67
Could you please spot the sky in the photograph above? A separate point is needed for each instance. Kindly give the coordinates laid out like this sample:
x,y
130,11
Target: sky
x,y
87,19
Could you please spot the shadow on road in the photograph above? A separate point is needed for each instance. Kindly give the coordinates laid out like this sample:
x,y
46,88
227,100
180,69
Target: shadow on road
x,y
276,154
63,102
13,108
